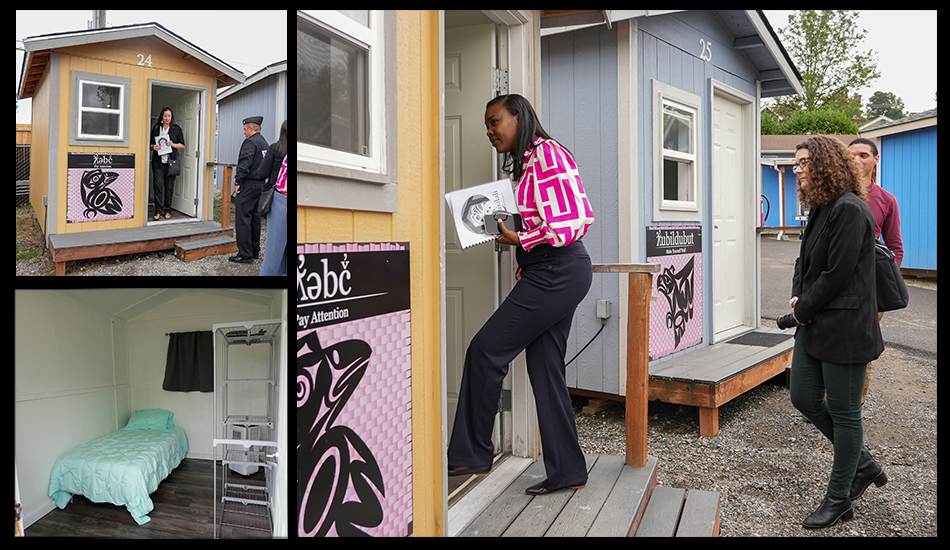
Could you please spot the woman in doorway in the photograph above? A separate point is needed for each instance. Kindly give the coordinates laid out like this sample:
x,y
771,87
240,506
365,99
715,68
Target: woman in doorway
x,y
834,302
165,134
555,274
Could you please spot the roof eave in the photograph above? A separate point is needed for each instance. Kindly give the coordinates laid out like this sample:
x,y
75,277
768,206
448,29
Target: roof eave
x,y
777,51
223,72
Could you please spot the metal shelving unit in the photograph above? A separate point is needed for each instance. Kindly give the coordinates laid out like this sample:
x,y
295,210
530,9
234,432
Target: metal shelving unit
x,y
244,439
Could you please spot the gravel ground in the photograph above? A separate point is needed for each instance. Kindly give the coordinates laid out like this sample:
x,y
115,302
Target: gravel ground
x,y
33,259
771,468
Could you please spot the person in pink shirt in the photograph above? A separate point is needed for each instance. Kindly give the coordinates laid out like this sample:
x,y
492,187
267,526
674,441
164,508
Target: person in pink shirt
x,y
556,273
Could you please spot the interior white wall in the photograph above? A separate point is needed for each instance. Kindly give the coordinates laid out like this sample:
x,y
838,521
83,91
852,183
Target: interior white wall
x,y
69,389
80,372
148,347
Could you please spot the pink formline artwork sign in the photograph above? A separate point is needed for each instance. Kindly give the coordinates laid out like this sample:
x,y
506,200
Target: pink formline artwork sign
x,y
676,317
100,187
354,391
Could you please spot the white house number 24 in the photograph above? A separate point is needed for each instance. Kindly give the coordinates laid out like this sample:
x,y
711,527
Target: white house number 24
x,y
705,55
148,60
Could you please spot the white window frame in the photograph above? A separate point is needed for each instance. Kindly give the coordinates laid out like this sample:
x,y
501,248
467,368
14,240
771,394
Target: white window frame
x,y
676,210
370,39
76,80
340,179
119,110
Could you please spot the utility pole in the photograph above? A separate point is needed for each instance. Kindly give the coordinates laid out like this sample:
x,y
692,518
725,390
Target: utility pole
x,y
98,19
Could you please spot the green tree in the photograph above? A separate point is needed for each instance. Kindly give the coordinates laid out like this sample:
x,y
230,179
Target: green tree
x,y
771,124
886,104
824,46
825,121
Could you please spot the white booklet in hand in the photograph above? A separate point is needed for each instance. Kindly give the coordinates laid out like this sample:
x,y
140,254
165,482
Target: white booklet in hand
x,y
469,206
164,147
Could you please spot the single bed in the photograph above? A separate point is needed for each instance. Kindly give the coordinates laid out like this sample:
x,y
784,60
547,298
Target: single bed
x,y
123,467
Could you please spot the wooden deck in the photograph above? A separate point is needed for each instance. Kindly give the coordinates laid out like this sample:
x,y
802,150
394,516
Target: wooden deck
x,y
710,377
113,242
615,502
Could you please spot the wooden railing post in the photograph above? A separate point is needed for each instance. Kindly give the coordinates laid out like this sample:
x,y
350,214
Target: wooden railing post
x,y
638,354
225,192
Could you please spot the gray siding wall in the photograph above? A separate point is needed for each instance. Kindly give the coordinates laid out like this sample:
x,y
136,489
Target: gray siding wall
x,y
579,98
670,51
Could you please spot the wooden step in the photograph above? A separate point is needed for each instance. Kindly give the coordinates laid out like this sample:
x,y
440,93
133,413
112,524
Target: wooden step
x,y
610,505
195,250
681,513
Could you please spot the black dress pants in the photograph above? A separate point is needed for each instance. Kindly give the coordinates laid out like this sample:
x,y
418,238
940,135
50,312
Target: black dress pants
x,y
535,317
163,188
247,223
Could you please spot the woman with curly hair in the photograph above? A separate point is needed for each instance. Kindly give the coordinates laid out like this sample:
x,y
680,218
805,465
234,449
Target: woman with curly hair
x,y
833,300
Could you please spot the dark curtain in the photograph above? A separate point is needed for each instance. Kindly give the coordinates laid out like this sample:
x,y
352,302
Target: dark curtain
x,y
189,365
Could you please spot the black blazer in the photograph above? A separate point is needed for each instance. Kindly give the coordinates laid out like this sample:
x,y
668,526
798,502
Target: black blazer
x,y
174,133
835,283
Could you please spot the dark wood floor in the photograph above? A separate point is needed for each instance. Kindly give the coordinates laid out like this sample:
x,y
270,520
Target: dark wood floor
x,y
183,509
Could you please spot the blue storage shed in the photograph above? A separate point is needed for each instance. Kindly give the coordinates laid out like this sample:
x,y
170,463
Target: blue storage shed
x,y
908,169
779,201
661,112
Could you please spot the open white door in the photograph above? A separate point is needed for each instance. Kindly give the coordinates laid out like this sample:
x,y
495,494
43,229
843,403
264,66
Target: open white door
x,y
469,160
187,110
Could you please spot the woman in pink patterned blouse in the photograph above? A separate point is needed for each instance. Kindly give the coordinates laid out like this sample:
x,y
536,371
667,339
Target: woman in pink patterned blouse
x,y
536,316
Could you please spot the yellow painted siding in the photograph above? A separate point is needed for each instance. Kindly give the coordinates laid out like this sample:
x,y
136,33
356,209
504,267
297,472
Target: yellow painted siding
x,y
120,58
39,149
417,222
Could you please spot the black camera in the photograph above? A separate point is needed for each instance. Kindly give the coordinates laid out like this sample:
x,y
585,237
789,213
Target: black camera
x,y
786,321
512,221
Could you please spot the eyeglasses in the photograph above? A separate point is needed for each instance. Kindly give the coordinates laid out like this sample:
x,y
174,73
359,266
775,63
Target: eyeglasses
x,y
800,165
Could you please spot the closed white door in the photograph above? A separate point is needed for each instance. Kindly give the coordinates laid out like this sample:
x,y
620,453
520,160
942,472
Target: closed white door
x,y
729,274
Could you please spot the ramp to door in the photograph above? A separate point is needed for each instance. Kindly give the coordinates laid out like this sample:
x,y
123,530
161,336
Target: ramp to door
x,y
711,376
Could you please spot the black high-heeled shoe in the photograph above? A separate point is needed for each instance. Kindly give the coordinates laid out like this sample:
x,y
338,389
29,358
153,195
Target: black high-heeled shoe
x,y
539,488
868,472
829,512
474,470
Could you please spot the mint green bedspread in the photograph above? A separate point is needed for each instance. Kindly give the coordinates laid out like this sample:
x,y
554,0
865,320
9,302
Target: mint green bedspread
x,y
123,468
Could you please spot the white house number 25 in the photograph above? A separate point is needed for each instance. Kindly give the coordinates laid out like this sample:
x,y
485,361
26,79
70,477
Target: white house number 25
x,y
705,55
148,60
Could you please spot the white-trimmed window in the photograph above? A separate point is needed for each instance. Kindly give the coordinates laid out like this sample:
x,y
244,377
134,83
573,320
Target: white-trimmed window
x,y
677,147
679,155
99,107
344,112
100,110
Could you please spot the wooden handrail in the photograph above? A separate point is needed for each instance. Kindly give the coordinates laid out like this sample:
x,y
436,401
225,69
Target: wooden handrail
x,y
225,193
638,355
626,268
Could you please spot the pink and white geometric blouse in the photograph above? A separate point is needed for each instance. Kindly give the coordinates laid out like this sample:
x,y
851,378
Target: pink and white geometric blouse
x,y
551,197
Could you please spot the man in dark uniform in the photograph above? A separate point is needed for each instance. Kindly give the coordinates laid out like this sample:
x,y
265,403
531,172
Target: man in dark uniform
x,y
247,223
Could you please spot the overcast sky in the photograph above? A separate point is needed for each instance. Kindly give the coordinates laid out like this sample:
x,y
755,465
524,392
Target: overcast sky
x,y
246,40
906,44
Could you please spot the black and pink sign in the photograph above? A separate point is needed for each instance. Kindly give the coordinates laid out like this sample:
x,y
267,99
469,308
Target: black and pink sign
x,y
100,186
354,391
676,317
